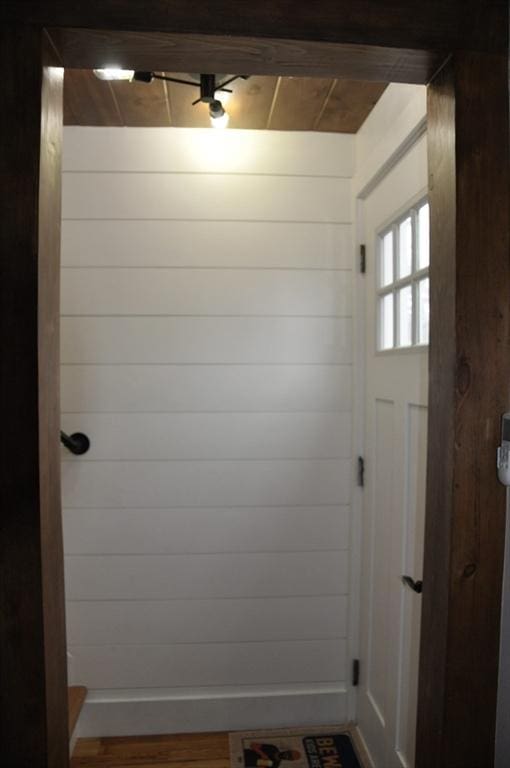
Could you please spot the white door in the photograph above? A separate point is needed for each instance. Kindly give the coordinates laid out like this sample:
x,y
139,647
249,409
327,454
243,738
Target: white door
x,y
396,236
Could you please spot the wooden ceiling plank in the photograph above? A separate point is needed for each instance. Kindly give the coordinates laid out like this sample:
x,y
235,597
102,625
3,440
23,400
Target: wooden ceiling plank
x,y
324,104
250,103
115,101
87,100
184,114
257,103
273,102
142,104
349,105
167,102
298,103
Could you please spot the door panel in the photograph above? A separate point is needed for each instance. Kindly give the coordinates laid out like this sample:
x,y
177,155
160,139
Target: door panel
x,y
378,542
394,497
412,540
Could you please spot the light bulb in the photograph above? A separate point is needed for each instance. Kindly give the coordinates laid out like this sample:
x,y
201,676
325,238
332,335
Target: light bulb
x,y
220,122
219,118
114,73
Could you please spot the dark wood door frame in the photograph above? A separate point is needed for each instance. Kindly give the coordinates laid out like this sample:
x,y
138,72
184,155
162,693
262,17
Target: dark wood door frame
x,y
460,48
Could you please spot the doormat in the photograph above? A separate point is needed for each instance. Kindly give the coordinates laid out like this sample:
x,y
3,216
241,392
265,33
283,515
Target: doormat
x,y
308,748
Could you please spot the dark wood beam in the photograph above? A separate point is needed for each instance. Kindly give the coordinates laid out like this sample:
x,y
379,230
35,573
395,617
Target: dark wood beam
x,y
87,48
435,24
469,166
33,691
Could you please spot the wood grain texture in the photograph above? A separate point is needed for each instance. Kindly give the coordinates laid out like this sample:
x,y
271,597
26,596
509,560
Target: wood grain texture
x,y
48,340
33,704
142,104
437,24
89,101
348,105
249,107
89,48
181,98
197,750
300,104
76,696
470,275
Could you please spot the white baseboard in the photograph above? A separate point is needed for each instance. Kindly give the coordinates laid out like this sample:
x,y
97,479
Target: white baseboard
x,y
135,713
367,757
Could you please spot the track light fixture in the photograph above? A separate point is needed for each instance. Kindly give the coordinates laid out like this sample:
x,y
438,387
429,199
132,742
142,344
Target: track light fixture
x,y
209,88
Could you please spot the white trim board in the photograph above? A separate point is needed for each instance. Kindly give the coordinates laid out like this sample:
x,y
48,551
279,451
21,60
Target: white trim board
x,y
124,714
396,156
395,124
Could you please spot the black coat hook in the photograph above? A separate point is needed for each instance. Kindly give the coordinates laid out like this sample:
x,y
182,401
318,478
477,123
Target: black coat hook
x,y
77,443
416,586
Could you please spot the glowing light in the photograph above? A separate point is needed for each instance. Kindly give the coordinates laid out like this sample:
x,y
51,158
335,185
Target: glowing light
x,y
219,118
114,73
223,96
221,121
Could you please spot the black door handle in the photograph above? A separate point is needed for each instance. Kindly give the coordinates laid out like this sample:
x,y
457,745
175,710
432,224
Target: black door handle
x,y
416,586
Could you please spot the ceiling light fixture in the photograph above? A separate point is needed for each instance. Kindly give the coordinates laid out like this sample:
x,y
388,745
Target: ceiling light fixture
x,y
209,88
114,73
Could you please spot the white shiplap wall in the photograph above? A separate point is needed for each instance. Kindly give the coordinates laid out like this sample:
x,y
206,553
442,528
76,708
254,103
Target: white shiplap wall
x,y
206,351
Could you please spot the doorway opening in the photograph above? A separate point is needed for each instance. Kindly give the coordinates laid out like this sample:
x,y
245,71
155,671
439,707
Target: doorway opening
x,y
212,327
465,506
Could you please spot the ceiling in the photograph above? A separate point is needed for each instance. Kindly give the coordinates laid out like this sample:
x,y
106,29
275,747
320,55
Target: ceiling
x,y
275,103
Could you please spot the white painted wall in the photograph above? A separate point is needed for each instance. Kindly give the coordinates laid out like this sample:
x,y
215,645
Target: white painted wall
x,y
389,132
206,351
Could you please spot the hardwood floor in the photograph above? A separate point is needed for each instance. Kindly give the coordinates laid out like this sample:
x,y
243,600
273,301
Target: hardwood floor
x,y
188,750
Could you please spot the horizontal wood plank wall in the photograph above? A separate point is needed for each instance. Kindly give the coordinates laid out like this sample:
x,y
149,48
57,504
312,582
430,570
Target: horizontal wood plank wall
x,y
206,351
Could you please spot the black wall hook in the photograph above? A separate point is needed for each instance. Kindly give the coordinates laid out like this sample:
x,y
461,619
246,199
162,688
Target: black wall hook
x,y
77,443
416,586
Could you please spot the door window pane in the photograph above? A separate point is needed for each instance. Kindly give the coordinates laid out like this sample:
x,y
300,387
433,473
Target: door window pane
x,y
405,248
386,260
402,282
405,316
423,311
386,321
423,237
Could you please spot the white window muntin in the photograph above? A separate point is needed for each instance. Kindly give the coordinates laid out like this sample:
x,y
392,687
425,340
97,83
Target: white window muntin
x,y
394,286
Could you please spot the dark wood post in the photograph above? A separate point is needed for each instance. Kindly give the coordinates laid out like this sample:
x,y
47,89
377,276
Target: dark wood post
x,y
33,687
469,166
